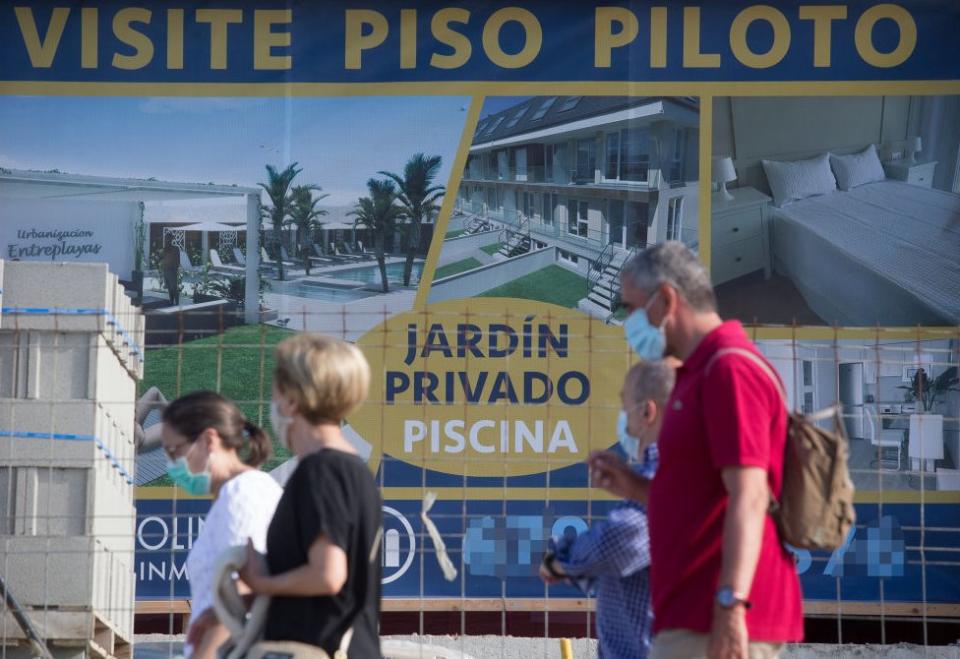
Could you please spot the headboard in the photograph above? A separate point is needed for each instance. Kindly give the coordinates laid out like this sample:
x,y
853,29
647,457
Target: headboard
x,y
794,128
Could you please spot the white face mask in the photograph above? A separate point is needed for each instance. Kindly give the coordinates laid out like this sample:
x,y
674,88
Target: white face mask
x,y
281,425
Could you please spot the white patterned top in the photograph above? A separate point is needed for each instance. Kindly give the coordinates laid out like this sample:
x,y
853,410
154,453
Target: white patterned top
x,y
243,509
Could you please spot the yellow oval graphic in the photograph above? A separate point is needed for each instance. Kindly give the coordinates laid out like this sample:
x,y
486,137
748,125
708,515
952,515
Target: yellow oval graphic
x,y
492,387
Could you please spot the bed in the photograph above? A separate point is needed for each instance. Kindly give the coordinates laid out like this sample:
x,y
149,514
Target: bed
x,y
884,253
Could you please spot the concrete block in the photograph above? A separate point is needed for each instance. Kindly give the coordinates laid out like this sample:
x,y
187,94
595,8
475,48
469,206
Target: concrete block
x,y
79,297
70,287
62,572
35,566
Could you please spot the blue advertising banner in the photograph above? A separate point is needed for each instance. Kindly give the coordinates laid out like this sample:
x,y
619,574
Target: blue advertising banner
x,y
497,547
535,40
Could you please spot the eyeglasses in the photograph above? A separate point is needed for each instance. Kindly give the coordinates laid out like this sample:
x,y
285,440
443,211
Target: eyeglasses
x,y
176,451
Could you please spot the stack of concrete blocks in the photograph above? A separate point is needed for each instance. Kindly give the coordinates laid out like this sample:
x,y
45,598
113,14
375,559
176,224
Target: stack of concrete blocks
x,y
71,352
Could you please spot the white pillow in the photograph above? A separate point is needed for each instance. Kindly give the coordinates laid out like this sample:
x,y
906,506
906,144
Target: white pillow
x,y
857,168
799,179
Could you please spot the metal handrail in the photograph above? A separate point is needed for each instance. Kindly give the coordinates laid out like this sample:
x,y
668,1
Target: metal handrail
x,y
599,265
615,290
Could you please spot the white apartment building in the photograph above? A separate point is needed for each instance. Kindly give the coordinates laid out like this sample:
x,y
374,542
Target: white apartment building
x,y
587,172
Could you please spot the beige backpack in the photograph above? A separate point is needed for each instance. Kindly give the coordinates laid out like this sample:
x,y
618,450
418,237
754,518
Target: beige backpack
x,y
815,510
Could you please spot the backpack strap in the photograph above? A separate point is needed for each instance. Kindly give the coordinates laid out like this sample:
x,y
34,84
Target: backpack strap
x,y
756,360
828,412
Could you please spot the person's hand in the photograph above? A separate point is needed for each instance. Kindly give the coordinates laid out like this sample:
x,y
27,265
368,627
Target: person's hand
x,y
609,472
254,570
200,626
548,577
728,635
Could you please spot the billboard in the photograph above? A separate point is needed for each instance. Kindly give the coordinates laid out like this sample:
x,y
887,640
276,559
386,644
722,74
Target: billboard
x,y
809,154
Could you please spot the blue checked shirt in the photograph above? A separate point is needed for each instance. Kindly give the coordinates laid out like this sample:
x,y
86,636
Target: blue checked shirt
x,y
611,560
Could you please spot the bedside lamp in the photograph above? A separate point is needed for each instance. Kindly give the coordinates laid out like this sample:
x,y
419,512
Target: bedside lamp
x,y
723,173
914,146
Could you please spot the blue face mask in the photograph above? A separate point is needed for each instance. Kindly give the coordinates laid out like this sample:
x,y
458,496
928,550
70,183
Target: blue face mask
x,y
647,341
191,483
629,443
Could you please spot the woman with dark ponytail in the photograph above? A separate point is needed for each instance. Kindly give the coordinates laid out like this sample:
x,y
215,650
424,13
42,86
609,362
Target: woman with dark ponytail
x,y
214,450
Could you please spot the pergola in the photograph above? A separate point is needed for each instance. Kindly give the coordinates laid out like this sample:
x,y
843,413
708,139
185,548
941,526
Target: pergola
x,y
55,185
228,233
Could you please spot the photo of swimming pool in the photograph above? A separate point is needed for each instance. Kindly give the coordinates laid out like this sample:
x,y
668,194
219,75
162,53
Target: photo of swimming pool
x,y
370,274
326,293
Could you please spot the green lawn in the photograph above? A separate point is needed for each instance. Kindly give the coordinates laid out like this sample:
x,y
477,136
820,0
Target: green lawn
x,y
241,371
454,233
551,284
492,249
456,267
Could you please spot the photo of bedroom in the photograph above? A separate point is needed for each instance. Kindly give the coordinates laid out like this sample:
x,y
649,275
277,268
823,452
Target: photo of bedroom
x,y
559,191
899,403
837,210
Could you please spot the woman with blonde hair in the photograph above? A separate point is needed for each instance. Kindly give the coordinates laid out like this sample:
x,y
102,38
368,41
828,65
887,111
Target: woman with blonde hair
x,y
322,563
214,450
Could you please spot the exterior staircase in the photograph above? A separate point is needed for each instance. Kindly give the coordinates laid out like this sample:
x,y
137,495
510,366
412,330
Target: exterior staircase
x,y
603,287
514,242
477,224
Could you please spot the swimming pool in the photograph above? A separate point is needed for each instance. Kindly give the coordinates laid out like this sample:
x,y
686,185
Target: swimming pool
x,y
315,291
370,274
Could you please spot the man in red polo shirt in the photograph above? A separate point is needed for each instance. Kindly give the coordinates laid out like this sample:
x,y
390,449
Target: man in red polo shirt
x,y
722,583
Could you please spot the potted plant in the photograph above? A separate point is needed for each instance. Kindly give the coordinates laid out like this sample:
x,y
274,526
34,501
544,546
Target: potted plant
x,y
203,289
139,247
926,427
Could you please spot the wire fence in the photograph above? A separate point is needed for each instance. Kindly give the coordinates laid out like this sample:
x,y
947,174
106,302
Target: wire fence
x,y
95,538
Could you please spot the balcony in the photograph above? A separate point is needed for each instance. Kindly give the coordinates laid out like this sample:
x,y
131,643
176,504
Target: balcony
x,y
528,174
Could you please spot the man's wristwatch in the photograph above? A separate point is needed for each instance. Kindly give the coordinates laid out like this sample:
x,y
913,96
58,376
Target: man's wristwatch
x,y
727,599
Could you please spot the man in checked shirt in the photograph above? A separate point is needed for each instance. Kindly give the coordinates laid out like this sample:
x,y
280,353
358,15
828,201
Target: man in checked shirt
x,y
612,558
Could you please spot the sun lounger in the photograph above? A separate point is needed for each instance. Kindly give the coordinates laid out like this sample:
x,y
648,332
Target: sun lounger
x,y
185,263
348,257
331,259
352,252
220,266
271,262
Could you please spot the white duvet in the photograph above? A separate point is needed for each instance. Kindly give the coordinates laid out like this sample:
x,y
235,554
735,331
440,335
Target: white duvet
x,y
905,235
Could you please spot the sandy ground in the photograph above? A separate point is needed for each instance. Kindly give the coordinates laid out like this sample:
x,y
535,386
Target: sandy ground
x,y
508,647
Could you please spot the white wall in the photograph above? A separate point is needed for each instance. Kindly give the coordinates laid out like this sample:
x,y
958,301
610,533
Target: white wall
x,y
92,231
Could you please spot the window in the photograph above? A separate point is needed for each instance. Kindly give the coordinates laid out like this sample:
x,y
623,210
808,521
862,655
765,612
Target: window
x,y
568,257
529,204
612,170
627,155
496,124
636,147
547,162
586,158
569,103
675,219
675,168
548,202
518,116
577,222
542,110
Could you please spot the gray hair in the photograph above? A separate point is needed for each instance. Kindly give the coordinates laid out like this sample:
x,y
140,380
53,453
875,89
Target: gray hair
x,y
675,264
650,380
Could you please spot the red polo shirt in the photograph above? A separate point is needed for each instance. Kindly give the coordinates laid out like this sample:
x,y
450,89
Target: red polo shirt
x,y
732,417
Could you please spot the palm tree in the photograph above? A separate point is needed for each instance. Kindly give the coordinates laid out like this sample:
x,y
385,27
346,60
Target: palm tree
x,y
379,213
418,196
278,187
305,215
